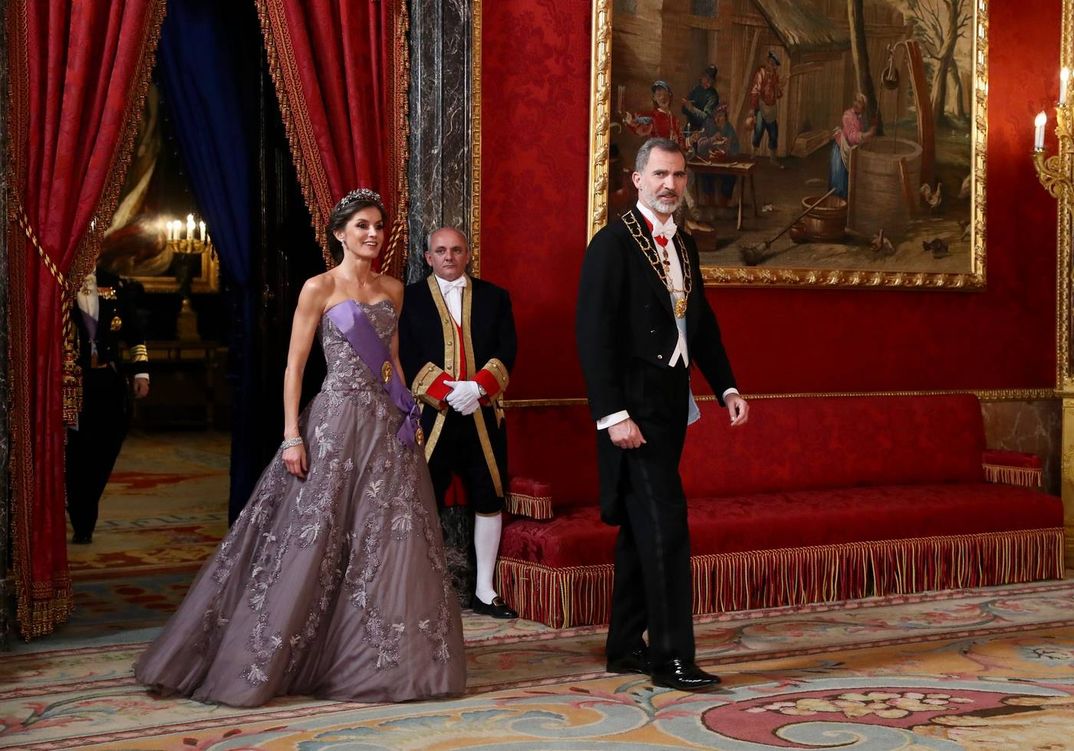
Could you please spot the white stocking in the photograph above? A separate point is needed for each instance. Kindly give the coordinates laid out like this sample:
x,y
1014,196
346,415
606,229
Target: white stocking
x,y
486,547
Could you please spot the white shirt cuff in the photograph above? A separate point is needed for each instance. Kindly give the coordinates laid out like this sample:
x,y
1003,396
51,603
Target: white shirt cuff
x,y
613,419
731,390
143,376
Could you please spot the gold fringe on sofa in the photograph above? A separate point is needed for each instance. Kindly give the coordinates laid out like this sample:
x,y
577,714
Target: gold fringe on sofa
x,y
1023,477
532,506
581,595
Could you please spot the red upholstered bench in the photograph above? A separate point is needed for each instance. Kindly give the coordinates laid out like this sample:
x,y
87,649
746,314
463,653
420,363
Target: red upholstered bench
x,y
815,499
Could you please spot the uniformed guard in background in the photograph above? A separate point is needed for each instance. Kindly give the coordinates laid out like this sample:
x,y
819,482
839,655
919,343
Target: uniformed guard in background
x,y
104,317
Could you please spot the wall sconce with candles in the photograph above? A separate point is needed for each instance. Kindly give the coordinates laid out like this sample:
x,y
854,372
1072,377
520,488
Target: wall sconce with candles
x,y
1055,172
190,245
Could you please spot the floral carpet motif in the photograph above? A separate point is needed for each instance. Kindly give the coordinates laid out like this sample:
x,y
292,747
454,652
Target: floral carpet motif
x,y
987,670
164,510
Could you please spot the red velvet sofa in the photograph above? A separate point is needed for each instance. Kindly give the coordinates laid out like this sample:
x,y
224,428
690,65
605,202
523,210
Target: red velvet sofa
x,y
815,499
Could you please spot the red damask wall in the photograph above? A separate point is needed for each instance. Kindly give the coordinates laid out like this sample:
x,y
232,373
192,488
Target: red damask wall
x,y
535,119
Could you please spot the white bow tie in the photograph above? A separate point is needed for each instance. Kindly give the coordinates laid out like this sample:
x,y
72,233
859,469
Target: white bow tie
x,y
455,284
665,230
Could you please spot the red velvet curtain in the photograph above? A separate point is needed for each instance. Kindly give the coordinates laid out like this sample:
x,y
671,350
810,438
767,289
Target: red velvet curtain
x,y
341,69
79,70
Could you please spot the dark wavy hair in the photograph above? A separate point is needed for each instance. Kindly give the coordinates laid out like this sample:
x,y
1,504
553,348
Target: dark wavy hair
x,y
348,206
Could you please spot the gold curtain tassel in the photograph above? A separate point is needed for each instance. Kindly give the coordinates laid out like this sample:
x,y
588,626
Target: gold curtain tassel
x,y
72,373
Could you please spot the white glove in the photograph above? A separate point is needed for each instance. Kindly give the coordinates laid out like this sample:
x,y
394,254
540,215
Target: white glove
x,y
465,396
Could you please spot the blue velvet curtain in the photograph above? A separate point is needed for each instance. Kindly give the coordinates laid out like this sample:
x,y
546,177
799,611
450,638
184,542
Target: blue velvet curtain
x,y
215,118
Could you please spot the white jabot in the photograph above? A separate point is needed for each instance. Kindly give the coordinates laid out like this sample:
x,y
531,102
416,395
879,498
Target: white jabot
x,y
661,229
452,292
675,271
88,300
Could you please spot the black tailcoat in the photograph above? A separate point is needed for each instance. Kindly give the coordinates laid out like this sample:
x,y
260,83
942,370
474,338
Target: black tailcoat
x,y
627,332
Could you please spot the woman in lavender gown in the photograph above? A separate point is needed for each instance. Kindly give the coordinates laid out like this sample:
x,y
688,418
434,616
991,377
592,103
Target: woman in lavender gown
x,y
332,582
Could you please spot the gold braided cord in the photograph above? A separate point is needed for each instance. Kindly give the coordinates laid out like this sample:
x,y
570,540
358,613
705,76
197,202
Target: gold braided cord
x,y
394,261
71,373
24,222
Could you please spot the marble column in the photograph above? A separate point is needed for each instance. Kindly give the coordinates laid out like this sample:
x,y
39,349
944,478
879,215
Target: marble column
x,y
440,185
440,132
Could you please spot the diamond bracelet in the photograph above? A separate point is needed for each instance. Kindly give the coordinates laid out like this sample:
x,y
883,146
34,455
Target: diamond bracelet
x,y
290,442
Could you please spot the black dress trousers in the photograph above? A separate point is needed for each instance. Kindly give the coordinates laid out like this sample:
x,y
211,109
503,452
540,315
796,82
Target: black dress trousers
x,y
652,587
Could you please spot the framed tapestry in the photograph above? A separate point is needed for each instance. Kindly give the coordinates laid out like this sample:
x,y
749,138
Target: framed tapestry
x,y
830,143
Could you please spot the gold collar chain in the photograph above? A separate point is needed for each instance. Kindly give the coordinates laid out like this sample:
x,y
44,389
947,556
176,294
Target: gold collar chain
x,y
663,267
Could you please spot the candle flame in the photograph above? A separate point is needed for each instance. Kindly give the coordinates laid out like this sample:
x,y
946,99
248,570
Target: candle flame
x,y
1041,120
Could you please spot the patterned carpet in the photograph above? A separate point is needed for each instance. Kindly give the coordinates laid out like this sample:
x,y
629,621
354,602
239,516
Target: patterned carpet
x,y
985,670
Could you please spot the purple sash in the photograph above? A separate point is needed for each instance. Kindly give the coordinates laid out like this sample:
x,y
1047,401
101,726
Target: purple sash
x,y
358,330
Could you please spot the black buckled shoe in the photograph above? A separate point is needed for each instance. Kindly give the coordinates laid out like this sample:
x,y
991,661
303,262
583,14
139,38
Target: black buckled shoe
x,y
682,676
81,538
632,662
497,608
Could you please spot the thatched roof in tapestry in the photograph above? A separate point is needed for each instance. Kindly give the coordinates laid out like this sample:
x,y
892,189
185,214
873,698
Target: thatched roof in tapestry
x,y
803,28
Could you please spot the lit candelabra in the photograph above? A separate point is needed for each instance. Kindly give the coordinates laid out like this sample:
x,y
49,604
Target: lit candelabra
x,y
191,248
1056,172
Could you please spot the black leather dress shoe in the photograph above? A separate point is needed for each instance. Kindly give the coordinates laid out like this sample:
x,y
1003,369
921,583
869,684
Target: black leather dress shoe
x,y
682,676
81,538
632,662
497,608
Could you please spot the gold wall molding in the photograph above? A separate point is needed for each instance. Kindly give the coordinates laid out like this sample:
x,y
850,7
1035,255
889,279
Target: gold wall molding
x,y
985,395
1056,173
1063,163
1066,466
475,137
600,118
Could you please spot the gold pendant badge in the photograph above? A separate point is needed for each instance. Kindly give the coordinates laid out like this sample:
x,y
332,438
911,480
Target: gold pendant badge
x,y
419,436
680,308
116,324
386,371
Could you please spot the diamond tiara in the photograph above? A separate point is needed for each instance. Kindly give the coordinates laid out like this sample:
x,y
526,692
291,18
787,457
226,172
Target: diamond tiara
x,y
360,194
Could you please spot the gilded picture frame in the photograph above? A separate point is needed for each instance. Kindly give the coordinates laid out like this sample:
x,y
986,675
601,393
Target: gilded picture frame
x,y
913,205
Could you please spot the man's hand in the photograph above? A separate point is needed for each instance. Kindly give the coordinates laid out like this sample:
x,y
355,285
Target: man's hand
x,y
626,434
141,388
465,396
738,408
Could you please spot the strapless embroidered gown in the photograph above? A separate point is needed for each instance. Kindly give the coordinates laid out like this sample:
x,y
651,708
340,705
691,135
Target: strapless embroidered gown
x,y
334,587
